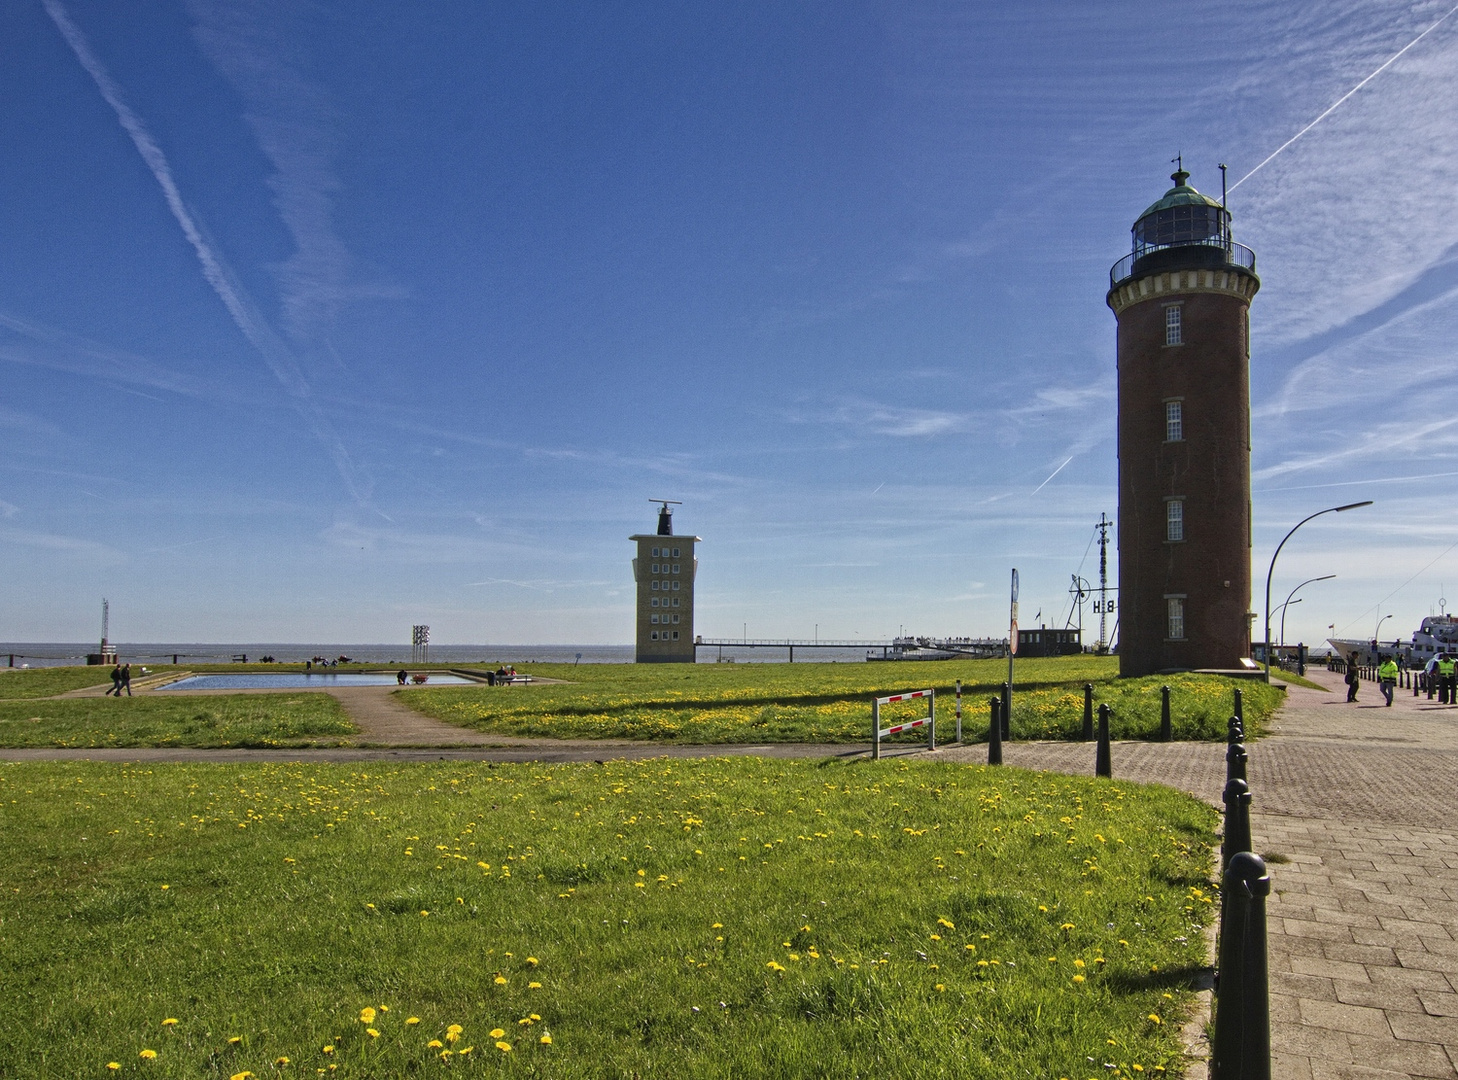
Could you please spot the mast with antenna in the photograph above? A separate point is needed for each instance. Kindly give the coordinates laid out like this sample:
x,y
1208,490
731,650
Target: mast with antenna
x,y
105,622
1104,607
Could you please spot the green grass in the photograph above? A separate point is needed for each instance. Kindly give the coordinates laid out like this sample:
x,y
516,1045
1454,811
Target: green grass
x,y
215,721
830,703
45,682
718,918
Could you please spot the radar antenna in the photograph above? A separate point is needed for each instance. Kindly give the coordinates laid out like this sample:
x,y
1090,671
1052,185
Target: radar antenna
x,y
665,515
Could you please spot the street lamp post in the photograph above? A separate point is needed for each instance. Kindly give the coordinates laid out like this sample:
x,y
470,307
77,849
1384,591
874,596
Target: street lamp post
x,y
1376,629
1293,592
1272,569
1284,606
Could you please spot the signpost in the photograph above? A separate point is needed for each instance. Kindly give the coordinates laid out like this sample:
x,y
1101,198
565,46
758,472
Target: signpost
x,y
1012,647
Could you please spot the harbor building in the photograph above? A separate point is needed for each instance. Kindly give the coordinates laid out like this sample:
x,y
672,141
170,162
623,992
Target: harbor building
x,y
664,570
1182,300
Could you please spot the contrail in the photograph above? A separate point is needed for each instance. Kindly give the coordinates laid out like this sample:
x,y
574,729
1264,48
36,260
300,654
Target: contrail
x,y
1343,98
254,328
1054,473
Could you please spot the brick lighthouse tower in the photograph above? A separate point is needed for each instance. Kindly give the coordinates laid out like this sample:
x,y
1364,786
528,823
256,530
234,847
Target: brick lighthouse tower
x,y
1182,299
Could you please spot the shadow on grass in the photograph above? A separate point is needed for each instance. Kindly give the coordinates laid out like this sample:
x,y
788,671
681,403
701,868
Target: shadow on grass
x,y
1184,977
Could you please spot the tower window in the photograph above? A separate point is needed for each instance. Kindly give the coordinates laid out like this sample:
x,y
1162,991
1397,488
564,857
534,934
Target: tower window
x,y
675,635
1174,519
655,553
675,568
675,555
1176,607
1174,421
1173,326
675,586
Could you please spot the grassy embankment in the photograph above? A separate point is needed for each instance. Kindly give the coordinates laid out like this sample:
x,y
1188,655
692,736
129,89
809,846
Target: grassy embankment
x,y
720,918
262,720
830,703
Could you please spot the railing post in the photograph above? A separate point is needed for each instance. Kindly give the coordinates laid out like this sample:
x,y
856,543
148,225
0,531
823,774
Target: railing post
x,y
1103,761
959,712
1236,797
1006,711
1240,708
994,733
875,730
1235,760
1234,730
1088,728
931,727
1242,1043
1166,728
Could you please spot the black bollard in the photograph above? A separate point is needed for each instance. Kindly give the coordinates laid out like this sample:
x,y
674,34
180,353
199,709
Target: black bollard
x,y
1235,759
1006,711
1103,763
994,734
1234,730
1242,1043
1236,797
1166,729
1088,730
1239,709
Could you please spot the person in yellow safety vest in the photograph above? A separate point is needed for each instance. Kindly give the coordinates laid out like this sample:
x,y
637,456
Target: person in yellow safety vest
x,y
1387,677
1445,679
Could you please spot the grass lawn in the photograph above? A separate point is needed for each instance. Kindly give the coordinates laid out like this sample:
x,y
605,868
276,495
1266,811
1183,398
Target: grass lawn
x,y
44,682
713,918
159,720
727,703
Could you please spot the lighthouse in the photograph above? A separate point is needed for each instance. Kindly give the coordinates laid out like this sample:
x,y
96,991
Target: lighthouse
x,y
1182,300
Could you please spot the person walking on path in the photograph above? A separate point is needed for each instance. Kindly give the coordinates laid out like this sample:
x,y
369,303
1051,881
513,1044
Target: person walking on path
x,y
1446,679
1352,677
116,682
1387,678
126,680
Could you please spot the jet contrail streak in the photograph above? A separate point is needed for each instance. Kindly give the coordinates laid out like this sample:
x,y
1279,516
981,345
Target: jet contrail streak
x,y
1343,98
1054,473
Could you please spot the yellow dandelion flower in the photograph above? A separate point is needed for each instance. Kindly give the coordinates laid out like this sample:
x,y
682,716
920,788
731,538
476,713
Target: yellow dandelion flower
x,y
435,1044
1153,1018
500,980
534,986
971,948
940,988
1137,1068
445,1055
241,1076
281,1061
545,1040
1078,978
147,1055
169,1021
453,1036
454,1029
717,926
328,1049
533,961
982,963
504,1047
235,1040
412,1019
936,937
1052,959
463,1051
1043,908
535,1016
372,1033
497,1033
367,1015
947,923
113,1065
423,914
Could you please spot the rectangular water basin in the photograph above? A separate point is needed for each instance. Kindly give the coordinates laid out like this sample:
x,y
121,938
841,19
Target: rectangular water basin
x,y
301,680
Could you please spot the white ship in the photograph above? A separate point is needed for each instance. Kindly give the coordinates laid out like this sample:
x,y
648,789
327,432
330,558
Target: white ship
x,y
1438,633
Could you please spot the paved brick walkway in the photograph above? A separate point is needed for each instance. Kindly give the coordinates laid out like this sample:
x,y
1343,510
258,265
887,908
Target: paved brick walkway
x,y
1356,804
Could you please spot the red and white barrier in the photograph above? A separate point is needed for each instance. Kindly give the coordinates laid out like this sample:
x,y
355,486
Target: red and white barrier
x,y
929,721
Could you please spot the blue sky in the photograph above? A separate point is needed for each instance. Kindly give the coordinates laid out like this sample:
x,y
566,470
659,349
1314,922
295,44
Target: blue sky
x,y
320,321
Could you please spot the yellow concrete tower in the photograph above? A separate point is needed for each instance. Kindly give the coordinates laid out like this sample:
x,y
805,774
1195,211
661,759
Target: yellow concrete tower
x,y
665,570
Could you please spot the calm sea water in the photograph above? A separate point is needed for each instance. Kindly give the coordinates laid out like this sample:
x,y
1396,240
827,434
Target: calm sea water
x,y
56,654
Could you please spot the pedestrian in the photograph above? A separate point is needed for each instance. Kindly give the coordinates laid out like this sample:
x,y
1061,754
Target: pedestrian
x,y
115,682
1352,677
1387,678
1446,682
1430,677
400,676
126,680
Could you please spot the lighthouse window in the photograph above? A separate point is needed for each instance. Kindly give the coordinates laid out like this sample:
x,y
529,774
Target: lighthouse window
x,y
1174,520
675,555
1176,607
1174,421
1173,329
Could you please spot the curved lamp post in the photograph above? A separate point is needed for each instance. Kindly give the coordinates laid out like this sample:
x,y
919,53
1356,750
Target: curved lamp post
x,y
1282,609
1289,601
1376,629
1272,570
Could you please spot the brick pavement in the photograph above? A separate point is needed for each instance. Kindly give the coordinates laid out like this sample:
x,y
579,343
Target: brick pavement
x,y
1355,805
